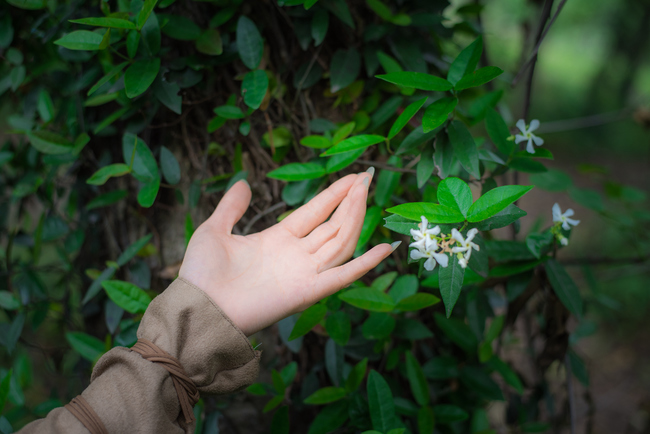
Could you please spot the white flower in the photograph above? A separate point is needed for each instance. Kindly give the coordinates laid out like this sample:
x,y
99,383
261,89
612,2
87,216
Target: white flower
x,y
564,241
564,218
424,237
466,245
527,134
430,263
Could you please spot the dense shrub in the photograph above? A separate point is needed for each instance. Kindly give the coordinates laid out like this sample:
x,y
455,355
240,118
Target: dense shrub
x,y
122,115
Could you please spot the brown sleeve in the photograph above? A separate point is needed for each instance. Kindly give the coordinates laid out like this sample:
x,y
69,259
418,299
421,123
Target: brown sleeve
x,y
131,394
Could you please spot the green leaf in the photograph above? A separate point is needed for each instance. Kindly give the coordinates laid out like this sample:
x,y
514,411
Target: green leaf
x,y
368,299
254,88
49,143
343,132
537,243
405,117
495,200
588,198
505,217
387,182
426,420
418,301
132,43
45,106
330,418
479,261
404,286
126,295
380,400
167,93
180,27
112,170
578,369
133,250
145,12
325,395
88,347
379,325
8,301
417,80
466,61
370,223
418,382
308,320
140,76
229,112
139,157
380,9
399,224
343,160
353,143
289,372
339,327
319,24
249,42
345,67
28,4
340,9
316,142
81,40
451,282
151,35
4,389
280,422
455,193
385,112
425,166
209,42
110,119
106,199
458,332
356,376
464,147
433,212
507,373
297,172
277,400
564,287
171,170
115,23
437,113
499,132
480,382
478,78
441,368
449,414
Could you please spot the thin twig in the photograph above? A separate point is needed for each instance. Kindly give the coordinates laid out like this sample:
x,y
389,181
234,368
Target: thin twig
x,y
260,215
586,121
533,56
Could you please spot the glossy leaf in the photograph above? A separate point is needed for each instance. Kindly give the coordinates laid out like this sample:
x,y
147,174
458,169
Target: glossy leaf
x,y
127,296
254,88
418,301
297,172
564,287
116,23
466,61
458,332
330,418
139,76
316,142
280,423
339,327
499,132
380,400
425,166
449,413
370,223
319,25
433,212
325,395
49,143
229,112
505,217
81,40
479,77
308,319
112,170
171,170
345,67
437,113
343,160
495,201
379,325
405,117
451,282
356,376
139,157
455,193
249,42
368,299
417,381
210,43
464,147
417,80
88,347
354,143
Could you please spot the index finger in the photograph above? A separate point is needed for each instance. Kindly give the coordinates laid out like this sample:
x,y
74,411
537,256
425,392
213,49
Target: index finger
x,y
306,218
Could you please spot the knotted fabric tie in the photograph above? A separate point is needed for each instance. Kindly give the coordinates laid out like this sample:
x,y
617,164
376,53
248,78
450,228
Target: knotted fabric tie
x,y
188,394
80,409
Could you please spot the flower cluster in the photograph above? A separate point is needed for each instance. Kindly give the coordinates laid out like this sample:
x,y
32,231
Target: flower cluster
x,y
434,246
562,221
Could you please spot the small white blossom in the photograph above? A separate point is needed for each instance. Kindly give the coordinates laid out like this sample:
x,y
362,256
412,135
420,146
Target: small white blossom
x,y
425,237
527,134
466,245
558,217
430,263
564,241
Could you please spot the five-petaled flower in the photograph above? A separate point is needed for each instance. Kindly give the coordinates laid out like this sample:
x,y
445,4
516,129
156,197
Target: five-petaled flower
x,y
465,245
564,219
432,257
527,134
426,245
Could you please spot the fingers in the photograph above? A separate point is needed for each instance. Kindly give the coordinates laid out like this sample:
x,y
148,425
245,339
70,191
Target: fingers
x,y
231,208
307,217
337,250
330,281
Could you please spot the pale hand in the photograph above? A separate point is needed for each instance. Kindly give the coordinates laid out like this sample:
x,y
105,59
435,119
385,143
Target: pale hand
x,y
261,278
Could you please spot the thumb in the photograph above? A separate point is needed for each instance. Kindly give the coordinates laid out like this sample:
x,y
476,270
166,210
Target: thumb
x,y
232,207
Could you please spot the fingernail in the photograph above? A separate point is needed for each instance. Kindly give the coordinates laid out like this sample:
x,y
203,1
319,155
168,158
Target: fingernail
x,y
395,245
366,182
371,171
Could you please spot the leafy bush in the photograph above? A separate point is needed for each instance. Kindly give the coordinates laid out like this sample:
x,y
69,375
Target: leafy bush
x,y
122,113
